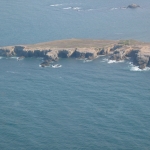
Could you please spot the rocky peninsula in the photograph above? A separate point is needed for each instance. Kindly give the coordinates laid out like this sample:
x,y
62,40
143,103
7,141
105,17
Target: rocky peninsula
x,y
135,51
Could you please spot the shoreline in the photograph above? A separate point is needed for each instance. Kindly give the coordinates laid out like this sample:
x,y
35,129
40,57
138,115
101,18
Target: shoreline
x,y
137,52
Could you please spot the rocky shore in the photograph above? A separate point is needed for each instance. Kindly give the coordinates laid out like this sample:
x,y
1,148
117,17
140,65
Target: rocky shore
x,y
137,52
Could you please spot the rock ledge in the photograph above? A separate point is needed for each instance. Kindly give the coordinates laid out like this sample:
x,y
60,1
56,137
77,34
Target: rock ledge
x,y
137,52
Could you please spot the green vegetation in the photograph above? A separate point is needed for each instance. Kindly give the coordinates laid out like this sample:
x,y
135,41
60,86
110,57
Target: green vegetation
x,y
124,42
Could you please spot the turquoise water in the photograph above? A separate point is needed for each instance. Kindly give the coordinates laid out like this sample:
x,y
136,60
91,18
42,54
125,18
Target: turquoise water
x,y
90,106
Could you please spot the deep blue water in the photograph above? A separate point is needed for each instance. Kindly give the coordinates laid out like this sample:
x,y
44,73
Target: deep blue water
x,y
84,106
24,22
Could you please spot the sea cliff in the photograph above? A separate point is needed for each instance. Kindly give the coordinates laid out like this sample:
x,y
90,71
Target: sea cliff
x,y
137,52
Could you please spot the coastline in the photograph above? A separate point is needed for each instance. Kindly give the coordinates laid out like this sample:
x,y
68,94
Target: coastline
x,y
138,52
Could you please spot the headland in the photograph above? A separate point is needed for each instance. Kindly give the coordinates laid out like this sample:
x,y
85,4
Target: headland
x,y
136,51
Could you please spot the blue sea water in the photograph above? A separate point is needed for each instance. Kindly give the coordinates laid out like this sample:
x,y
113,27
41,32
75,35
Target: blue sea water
x,y
85,106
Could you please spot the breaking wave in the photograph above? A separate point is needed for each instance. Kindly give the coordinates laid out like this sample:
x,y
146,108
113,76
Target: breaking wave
x,y
105,60
114,61
87,60
1,57
136,68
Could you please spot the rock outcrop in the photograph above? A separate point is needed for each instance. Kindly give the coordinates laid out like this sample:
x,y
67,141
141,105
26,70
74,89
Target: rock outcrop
x,y
45,64
137,52
133,6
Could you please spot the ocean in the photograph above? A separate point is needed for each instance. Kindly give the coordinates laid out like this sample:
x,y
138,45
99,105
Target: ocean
x,y
95,105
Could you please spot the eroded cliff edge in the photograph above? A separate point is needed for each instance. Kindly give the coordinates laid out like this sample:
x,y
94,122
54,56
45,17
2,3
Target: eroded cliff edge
x,y
137,52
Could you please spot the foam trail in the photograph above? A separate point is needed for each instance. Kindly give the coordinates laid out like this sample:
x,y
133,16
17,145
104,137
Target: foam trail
x,y
87,60
12,72
123,8
67,8
90,9
76,8
55,5
113,8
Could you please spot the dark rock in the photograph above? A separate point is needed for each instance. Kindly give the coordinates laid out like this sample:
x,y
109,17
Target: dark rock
x,y
80,54
148,62
77,54
141,60
118,55
18,50
133,53
89,55
104,51
116,47
45,64
142,66
5,52
133,6
63,54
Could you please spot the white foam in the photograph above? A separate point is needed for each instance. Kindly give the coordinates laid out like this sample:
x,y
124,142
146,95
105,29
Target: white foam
x,y
1,57
67,8
105,60
55,5
12,72
44,66
76,8
14,57
113,8
90,9
111,61
123,7
87,60
114,61
56,66
146,69
80,58
136,68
